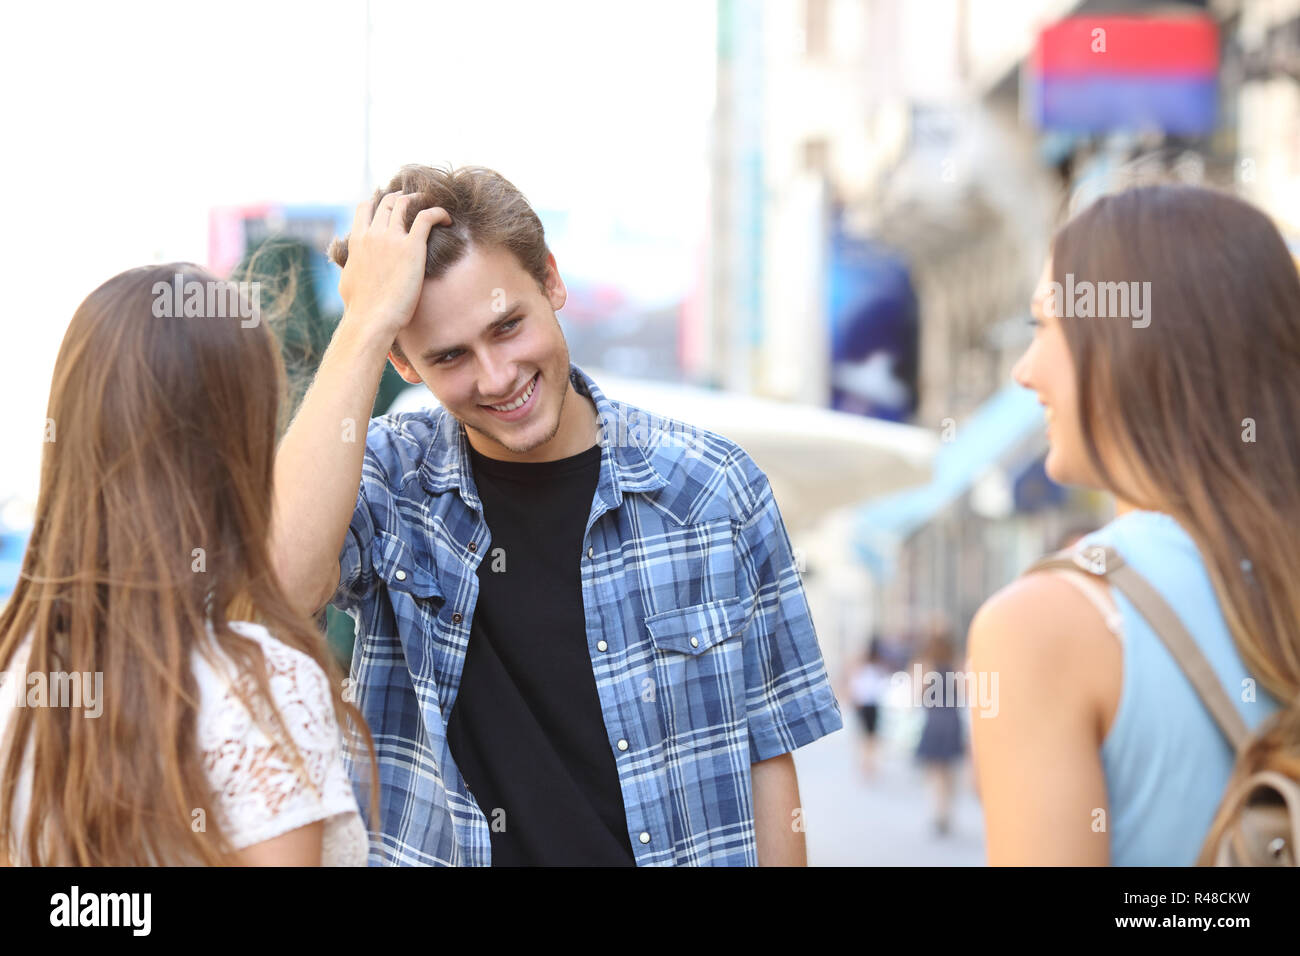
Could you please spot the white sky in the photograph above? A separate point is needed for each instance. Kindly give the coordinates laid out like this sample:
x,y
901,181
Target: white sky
x,y
125,123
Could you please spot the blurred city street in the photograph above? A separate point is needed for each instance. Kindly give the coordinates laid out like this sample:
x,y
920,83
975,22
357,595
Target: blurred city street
x,y
887,821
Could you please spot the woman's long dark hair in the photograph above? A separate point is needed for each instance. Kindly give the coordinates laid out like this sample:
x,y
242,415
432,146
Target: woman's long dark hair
x,y
152,520
1204,405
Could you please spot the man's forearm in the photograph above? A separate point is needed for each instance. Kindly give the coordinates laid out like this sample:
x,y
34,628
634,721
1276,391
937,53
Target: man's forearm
x,y
778,818
318,464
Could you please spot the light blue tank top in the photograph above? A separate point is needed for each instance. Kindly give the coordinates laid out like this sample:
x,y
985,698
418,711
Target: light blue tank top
x,y
1166,761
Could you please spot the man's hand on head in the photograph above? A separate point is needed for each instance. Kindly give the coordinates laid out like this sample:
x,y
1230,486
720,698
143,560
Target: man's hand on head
x,y
384,273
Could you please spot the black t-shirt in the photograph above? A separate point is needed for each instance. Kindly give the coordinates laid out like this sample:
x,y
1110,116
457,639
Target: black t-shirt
x,y
526,729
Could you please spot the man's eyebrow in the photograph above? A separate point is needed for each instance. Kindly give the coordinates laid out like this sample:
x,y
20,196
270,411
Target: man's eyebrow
x,y
429,354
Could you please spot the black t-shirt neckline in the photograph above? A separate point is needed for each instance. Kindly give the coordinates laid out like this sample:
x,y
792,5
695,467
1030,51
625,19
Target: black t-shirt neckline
x,y
532,470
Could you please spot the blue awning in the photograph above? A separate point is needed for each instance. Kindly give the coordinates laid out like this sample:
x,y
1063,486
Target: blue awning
x,y
996,430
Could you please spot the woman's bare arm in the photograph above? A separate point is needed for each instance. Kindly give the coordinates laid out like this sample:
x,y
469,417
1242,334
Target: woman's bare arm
x,y
300,847
1037,757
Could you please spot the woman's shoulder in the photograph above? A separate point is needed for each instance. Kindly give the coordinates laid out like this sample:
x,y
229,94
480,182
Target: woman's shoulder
x,y
264,791
298,686
1051,602
287,667
1045,629
1042,609
270,643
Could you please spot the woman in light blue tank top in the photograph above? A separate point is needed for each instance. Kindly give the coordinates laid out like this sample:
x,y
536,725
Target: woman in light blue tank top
x,y
1164,750
1167,355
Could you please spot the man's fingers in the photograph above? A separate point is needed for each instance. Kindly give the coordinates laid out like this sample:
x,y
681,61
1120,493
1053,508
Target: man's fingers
x,y
361,218
397,219
383,212
425,220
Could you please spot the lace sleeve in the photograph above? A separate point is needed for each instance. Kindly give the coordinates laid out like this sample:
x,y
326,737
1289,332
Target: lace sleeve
x,y
258,789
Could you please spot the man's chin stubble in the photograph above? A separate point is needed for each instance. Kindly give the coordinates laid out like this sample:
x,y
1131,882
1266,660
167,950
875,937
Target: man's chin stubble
x,y
523,451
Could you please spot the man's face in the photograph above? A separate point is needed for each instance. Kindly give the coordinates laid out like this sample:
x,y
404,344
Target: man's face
x,y
485,335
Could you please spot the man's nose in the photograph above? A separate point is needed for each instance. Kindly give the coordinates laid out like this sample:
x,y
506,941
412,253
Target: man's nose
x,y
498,380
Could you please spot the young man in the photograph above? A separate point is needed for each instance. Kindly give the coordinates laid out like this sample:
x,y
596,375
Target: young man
x,y
582,638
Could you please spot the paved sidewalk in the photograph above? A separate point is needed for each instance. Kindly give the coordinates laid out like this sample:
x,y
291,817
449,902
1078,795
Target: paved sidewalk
x,y
887,821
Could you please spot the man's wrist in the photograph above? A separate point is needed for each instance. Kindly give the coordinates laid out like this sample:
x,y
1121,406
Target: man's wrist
x,y
359,335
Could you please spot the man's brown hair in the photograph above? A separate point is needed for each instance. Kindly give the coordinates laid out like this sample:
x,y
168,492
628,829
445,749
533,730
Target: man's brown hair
x,y
486,210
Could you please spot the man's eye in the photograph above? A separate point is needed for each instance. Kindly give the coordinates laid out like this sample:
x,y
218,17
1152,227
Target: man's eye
x,y
509,326
446,358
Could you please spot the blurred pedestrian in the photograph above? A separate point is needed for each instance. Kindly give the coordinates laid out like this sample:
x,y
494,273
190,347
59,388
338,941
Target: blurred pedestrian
x,y
1184,408
942,743
868,687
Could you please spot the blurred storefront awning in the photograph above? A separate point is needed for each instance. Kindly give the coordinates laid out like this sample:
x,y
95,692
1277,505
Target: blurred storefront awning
x,y
996,432
1130,71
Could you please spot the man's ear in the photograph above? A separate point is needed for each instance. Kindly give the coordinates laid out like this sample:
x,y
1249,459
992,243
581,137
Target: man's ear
x,y
555,290
404,368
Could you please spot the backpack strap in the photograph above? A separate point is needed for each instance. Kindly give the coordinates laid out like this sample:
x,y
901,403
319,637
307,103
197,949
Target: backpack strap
x,y
1106,563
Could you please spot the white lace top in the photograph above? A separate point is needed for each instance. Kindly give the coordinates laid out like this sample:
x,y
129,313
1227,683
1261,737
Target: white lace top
x,y
256,787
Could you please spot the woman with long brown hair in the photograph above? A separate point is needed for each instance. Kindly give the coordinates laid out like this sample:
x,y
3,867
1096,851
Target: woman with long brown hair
x,y
1184,405
214,735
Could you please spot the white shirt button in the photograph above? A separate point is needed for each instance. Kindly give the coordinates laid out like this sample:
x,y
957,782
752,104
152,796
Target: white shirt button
x,y
622,745
644,837
591,552
602,646
695,642
400,575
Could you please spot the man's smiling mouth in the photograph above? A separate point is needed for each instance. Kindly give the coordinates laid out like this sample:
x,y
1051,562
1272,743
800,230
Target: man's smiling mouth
x,y
521,400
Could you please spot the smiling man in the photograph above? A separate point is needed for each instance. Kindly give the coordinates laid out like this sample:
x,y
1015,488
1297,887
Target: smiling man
x,y
582,638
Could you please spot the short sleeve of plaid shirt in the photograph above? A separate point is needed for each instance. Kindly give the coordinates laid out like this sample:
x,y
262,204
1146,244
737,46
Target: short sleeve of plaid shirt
x,y
789,701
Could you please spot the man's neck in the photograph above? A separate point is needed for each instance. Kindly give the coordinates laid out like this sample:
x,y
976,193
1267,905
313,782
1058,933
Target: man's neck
x,y
577,431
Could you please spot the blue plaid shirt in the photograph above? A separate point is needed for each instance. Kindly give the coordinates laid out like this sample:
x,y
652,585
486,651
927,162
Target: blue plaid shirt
x,y
700,637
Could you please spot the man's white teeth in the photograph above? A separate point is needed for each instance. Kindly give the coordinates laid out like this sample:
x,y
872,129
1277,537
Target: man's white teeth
x,y
522,398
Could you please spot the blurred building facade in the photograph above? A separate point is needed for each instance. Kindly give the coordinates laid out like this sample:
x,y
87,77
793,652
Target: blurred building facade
x,y
1263,79
917,130
886,131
